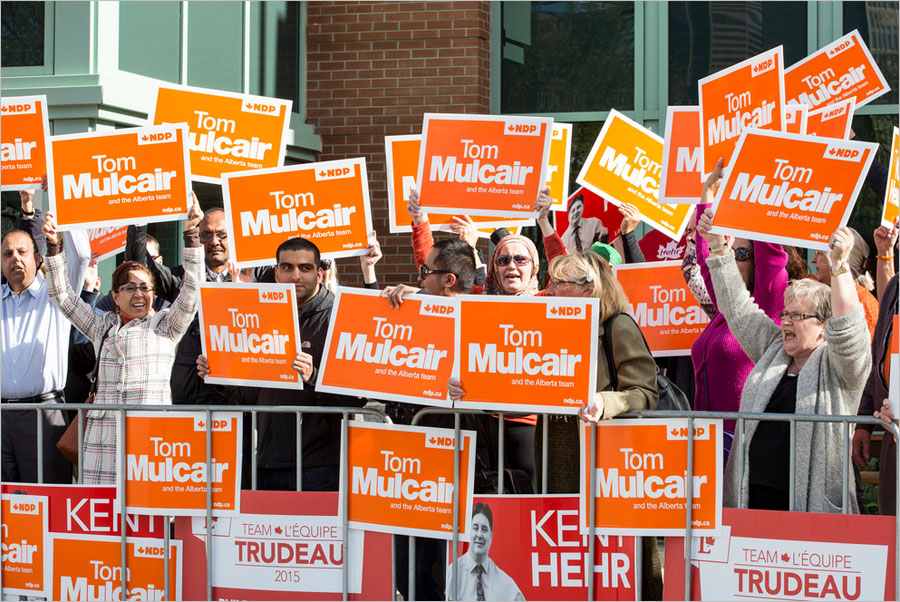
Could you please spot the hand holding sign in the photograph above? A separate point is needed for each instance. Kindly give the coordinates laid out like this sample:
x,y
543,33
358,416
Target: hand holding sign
x,y
886,238
303,364
631,217
202,366
195,215
412,207
841,244
715,241
455,390
395,294
593,413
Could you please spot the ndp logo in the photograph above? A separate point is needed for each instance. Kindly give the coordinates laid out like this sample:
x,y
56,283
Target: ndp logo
x,y
521,128
843,153
334,173
216,425
680,433
24,508
273,296
156,137
260,108
18,108
763,66
570,312
839,48
437,309
149,552
438,442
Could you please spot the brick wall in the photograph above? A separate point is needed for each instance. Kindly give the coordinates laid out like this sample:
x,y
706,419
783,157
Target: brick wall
x,y
373,69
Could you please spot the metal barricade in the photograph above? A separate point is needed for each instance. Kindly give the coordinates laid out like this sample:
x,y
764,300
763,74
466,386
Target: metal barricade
x,y
741,419
122,410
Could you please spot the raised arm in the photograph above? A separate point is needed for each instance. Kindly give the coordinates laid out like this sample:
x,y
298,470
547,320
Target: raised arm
x,y
885,241
62,295
422,240
753,329
181,313
553,244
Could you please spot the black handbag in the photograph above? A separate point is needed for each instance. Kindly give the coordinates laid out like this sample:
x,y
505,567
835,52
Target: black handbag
x,y
670,396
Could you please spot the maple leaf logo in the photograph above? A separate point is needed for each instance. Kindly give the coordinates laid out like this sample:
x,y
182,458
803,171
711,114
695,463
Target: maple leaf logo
x,y
674,432
279,530
142,550
785,558
670,250
511,127
249,105
145,138
432,441
706,545
553,310
427,308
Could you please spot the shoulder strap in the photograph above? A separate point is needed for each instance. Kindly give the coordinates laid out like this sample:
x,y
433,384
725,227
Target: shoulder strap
x,y
608,351
93,375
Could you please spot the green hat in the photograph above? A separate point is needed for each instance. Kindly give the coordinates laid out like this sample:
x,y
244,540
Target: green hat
x,y
607,252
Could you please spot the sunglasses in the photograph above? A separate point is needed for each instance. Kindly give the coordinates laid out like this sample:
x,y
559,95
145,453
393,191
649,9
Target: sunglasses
x,y
504,260
424,271
743,254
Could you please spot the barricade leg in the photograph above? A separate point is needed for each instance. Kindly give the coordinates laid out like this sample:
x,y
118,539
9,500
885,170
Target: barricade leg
x,y
123,514
40,445
345,522
209,549
688,508
592,511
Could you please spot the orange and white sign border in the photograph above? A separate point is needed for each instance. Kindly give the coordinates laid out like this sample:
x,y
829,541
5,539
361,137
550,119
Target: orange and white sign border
x,y
41,98
764,237
566,128
885,88
465,503
46,545
441,402
288,104
851,108
680,423
667,148
234,512
598,144
364,181
287,289
543,300
396,227
506,119
99,223
893,181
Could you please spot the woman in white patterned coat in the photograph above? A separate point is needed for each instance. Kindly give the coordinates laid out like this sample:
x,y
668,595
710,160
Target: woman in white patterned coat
x,y
138,344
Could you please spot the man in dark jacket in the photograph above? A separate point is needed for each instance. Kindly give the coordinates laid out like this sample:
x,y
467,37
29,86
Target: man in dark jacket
x,y
298,264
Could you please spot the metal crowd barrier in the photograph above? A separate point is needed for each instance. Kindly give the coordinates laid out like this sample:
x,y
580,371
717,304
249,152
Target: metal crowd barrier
x,y
345,412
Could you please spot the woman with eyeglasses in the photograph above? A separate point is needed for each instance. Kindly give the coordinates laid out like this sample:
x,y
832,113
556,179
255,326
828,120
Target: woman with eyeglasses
x,y
816,362
136,344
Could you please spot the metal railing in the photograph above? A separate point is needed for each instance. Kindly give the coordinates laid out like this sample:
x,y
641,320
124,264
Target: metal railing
x,y
345,412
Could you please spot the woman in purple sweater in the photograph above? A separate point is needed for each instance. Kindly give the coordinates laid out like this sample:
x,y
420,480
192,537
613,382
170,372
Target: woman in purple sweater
x,y
720,365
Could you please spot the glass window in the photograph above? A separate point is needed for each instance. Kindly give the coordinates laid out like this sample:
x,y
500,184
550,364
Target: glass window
x,y
150,38
275,50
215,43
877,23
706,37
567,56
22,34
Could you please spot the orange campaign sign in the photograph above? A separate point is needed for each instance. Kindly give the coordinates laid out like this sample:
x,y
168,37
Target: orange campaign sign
x,y
681,180
326,203
841,70
250,334
402,161
226,131
527,354
558,166
891,210
26,546
662,305
107,241
749,94
374,350
832,121
136,175
641,481
790,189
795,118
624,166
167,463
89,567
401,480
483,164
24,135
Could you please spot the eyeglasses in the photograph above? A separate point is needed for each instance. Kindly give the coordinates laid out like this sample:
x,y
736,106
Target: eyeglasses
x,y
208,236
503,260
743,254
425,271
795,316
131,288
555,282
